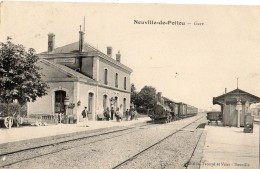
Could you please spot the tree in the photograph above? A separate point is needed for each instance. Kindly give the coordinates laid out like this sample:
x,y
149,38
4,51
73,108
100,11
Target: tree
x,y
19,75
147,97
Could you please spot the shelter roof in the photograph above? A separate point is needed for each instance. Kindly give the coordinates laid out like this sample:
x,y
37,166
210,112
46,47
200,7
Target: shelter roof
x,y
233,96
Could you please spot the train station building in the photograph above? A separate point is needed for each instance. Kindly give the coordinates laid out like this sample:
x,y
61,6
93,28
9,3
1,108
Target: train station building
x,y
235,105
79,76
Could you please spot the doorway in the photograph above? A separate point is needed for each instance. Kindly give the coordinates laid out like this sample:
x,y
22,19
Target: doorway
x,y
59,101
90,105
105,102
124,105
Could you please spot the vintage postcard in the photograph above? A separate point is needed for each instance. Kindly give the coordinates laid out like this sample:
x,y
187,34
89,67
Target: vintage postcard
x,y
129,85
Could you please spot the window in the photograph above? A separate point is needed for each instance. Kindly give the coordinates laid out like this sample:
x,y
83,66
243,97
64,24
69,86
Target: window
x,y
105,77
125,83
116,80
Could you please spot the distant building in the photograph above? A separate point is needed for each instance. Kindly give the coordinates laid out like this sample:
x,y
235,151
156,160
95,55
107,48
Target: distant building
x,y
232,102
88,77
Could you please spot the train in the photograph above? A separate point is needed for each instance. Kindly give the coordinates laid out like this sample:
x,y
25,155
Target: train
x,y
167,110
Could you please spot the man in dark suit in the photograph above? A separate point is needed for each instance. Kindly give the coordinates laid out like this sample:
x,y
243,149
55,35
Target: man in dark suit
x,y
112,113
85,117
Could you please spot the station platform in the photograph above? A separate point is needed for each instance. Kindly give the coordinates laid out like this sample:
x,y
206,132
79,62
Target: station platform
x,y
227,148
32,132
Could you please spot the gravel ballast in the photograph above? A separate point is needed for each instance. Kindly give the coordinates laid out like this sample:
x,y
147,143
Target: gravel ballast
x,y
107,153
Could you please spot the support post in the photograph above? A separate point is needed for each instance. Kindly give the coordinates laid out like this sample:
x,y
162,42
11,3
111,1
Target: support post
x,y
238,118
230,115
238,108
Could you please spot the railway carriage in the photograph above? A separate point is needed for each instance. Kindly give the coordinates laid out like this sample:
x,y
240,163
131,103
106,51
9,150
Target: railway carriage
x,y
191,111
182,110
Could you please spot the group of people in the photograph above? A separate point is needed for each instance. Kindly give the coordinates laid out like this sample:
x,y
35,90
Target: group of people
x,y
109,115
132,114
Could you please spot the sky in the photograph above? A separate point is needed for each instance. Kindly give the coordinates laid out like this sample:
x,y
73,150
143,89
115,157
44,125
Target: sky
x,y
187,63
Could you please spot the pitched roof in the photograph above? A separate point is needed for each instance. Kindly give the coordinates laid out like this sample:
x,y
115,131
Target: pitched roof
x,y
73,48
235,92
67,70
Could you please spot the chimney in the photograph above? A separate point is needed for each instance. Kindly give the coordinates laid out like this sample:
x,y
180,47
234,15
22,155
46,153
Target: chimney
x,y
118,56
109,51
81,40
225,90
51,42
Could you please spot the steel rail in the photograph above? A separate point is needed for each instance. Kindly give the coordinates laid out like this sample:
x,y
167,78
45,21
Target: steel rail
x,y
188,162
75,139
71,140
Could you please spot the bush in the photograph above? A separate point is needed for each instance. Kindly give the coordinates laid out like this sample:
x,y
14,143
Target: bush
x,y
13,108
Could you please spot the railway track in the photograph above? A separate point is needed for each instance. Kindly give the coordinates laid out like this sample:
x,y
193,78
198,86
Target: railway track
x,y
14,157
42,150
153,145
68,139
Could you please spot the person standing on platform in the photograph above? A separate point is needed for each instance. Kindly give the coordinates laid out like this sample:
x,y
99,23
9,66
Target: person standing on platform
x,y
131,112
85,117
112,113
126,115
117,115
107,114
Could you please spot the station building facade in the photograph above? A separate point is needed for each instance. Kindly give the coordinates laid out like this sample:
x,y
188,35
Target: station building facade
x,y
85,77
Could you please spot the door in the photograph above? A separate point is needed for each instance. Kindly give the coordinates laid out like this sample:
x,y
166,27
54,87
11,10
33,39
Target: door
x,y
59,101
105,102
124,106
90,105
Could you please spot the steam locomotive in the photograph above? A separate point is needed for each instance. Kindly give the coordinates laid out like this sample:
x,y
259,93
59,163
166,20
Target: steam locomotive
x,y
166,110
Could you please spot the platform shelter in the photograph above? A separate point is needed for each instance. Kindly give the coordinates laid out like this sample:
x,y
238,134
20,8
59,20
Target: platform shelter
x,y
235,106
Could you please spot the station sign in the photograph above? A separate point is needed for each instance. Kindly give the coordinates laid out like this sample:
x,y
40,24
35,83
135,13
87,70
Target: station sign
x,y
239,106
